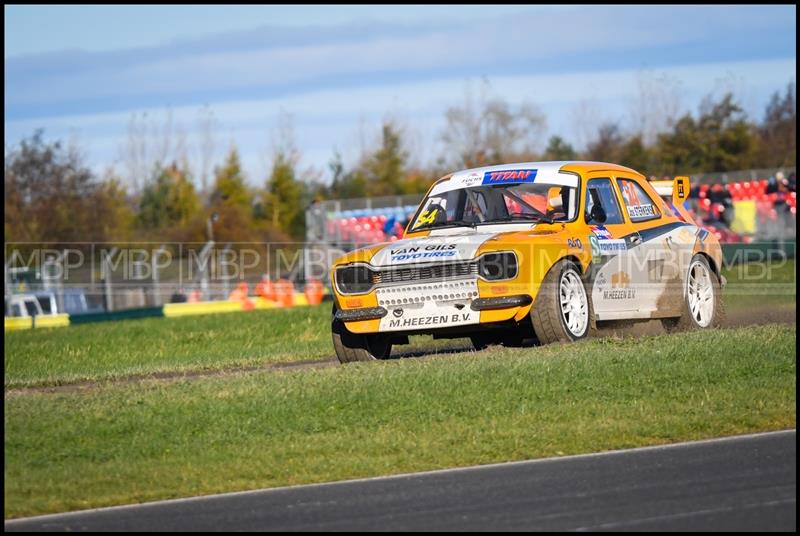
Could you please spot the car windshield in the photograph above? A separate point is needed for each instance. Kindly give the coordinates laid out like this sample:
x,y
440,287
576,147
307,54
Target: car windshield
x,y
527,202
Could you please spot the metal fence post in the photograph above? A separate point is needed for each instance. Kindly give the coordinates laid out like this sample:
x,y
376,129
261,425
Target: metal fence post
x,y
154,269
106,272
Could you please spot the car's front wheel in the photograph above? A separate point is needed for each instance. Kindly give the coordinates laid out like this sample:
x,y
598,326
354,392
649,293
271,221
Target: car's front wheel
x,y
562,311
481,340
350,347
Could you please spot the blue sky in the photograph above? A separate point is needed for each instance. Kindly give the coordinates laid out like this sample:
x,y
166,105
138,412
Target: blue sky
x,y
79,72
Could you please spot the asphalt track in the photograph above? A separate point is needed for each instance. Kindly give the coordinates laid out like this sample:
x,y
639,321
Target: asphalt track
x,y
738,483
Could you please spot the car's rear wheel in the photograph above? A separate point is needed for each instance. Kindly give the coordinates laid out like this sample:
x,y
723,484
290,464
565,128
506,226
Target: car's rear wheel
x,y
702,299
351,347
562,311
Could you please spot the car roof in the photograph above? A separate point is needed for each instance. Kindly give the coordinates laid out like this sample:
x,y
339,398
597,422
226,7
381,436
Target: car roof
x,y
554,166
550,172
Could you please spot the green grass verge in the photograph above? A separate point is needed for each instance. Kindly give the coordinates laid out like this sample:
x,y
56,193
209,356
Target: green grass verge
x,y
106,351
155,440
111,350
761,284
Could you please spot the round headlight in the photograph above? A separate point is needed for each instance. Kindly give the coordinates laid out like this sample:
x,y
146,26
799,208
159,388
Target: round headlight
x,y
497,266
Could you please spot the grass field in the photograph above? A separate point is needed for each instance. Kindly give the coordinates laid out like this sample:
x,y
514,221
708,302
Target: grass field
x,y
150,345
759,284
121,443
108,351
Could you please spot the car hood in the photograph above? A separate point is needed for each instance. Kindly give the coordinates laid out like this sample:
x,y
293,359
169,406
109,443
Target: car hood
x,y
442,245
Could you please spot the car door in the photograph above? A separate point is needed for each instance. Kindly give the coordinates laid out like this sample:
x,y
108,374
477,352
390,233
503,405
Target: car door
x,y
611,238
655,258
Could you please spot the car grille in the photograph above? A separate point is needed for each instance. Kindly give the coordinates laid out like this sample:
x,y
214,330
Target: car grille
x,y
437,272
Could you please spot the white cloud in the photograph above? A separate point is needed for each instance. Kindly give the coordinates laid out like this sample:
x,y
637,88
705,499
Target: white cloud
x,y
330,118
523,40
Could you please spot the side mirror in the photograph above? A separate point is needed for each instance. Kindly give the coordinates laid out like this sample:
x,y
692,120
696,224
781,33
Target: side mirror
x,y
597,214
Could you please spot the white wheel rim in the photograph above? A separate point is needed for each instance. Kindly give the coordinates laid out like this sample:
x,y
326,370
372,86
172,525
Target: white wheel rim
x,y
574,305
700,294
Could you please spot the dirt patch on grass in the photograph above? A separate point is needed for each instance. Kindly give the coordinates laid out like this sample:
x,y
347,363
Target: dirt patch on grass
x,y
734,318
758,316
751,316
168,376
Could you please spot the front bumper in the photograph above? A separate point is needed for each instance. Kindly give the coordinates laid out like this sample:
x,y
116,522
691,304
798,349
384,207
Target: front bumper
x,y
358,315
500,302
432,307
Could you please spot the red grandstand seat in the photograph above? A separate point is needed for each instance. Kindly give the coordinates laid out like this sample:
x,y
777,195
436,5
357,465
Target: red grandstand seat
x,y
763,207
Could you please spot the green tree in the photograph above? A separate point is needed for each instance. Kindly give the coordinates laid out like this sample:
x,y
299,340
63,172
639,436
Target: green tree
x,y
679,150
114,212
721,139
229,184
558,149
384,169
283,197
778,131
607,145
635,155
346,184
49,193
169,200
417,181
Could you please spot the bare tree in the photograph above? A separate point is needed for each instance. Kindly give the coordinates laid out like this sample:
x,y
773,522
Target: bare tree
x,y
151,145
487,130
207,125
657,105
283,138
462,133
135,152
585,120
164,147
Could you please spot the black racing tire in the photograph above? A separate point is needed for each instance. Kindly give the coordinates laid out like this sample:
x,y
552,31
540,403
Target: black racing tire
x,y
548,320
481,341
351,347
689,321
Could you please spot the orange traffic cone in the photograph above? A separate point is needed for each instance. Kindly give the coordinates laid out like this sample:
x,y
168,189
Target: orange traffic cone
x,y
266,289
284,291
314,291
239,293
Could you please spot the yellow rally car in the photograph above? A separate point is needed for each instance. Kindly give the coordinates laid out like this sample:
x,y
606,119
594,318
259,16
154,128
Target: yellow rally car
x,y
536,250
